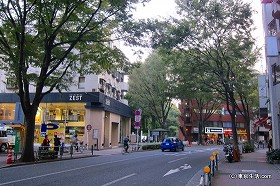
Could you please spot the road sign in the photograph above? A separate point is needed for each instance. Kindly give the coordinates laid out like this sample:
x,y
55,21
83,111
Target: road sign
x,y
137,118
89,127
137,124
137,112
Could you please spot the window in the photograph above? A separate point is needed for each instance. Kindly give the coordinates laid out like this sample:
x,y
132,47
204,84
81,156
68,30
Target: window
x,y
81,84
275,74
272,30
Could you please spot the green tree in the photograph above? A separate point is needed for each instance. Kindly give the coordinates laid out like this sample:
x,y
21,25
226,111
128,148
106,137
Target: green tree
x,y
44,44
216,37
149,86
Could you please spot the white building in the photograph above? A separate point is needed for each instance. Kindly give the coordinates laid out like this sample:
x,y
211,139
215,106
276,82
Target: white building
x,y
271,16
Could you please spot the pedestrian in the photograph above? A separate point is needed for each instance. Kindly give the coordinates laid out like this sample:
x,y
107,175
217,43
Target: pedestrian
x,y
56,143
46,143
75,142
269,145
125,143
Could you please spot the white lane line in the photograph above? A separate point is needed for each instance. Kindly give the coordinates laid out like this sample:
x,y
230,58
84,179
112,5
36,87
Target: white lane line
x,y
115,181
248,171
177,160
69,170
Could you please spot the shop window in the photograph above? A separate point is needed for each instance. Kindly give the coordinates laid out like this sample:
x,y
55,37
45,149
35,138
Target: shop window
x,y
82,81
7,111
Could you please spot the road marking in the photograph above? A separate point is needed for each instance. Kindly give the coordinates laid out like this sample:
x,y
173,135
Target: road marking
x,y
172,171
177,160
249,171
69,170
115,181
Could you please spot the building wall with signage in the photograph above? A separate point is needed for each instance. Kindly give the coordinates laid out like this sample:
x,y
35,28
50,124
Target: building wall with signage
x,y
71,112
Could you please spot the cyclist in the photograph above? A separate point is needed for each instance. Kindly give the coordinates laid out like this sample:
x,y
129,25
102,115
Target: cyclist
x,y
125,143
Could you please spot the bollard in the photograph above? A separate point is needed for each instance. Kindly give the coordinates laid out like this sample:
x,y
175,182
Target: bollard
x,y
92,150
212,165
201,180
217,159
71,150
61,151
206,175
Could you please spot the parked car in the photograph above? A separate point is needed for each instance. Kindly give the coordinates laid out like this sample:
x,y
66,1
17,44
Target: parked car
x,y
172,143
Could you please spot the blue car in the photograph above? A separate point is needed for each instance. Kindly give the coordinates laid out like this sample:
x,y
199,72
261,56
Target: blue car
x,y
172,144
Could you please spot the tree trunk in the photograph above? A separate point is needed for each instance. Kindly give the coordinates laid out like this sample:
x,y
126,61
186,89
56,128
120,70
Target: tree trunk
x,y
28,149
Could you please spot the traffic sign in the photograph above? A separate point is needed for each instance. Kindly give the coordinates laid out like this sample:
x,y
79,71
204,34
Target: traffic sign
x,y
137,124
89,127
137,112
137,118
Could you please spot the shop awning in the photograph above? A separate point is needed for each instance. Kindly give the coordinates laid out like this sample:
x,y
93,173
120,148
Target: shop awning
x,y
262,120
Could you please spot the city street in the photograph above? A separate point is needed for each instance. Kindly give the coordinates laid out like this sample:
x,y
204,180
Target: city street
x,y
138,168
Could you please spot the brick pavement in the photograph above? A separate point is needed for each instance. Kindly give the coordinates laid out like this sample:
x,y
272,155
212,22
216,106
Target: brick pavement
x,y
252,164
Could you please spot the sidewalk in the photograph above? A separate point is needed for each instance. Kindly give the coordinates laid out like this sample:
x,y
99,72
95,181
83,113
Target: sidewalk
x,y
86,153
253,169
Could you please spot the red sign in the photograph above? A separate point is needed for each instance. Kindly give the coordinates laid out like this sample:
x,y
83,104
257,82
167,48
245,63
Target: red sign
x,y
137,112
137,124
89,127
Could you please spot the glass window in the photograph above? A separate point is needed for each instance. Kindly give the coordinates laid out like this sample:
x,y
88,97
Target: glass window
x,y
7,111
82,81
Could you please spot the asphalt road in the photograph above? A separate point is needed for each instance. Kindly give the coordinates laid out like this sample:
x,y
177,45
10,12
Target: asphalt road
x,y
139,168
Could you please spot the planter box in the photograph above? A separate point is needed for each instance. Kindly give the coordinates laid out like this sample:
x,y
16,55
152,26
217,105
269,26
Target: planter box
x,y
275,161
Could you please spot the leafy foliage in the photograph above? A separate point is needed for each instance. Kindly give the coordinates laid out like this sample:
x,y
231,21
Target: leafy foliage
x,y
45,44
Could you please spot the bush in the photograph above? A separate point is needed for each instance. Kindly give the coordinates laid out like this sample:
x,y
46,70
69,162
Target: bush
x,y
273,155
150,146
248,148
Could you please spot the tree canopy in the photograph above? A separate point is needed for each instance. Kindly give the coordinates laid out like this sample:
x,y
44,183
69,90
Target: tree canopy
x,y
44,44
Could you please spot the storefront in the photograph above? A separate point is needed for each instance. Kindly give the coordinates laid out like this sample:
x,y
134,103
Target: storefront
x,y
97,119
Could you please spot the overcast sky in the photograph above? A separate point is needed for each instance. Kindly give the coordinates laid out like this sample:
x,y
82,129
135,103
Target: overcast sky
x,y
165,8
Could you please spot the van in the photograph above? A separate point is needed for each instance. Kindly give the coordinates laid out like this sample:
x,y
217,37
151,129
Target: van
x,y
6,138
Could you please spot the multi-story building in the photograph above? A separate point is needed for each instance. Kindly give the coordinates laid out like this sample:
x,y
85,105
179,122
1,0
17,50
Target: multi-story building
x,y
93,108
218,124
271,17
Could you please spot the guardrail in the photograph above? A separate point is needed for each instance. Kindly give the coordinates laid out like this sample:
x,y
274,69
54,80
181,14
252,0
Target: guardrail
x,y
47,152
209,171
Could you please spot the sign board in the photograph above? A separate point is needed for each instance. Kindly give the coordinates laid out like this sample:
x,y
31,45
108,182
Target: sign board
x,y
137,124
137,118
155,133
89,127
95,134
214,130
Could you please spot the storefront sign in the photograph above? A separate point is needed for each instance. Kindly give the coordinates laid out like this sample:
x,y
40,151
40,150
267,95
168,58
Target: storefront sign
x,y
241,131
75,97
214,130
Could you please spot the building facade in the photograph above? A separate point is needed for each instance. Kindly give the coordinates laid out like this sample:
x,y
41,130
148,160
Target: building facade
x,y
93,108
271,18
217,126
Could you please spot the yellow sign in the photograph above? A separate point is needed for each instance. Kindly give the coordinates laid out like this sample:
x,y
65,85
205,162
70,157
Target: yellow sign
x,y
241,131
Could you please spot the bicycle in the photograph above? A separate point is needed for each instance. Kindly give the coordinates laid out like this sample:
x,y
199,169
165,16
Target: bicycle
x,y
129,150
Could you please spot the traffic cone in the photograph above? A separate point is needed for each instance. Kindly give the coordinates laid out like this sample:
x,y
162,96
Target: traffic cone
x,y
9,159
